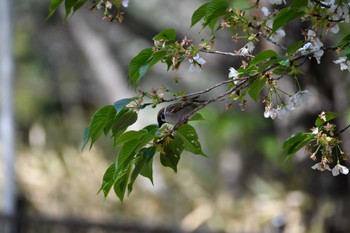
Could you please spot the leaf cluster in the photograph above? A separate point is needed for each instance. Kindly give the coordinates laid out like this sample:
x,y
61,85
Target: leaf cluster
x,y
136,148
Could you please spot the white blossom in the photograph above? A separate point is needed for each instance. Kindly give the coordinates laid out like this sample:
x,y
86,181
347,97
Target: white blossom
x,y
315,130
247,49
279,112
196,63
109,5
314,46
280,33
265,11
282,111
233,73
276,36
344,63
321,166
298,99
334,29
305,47
99,4
270,112
125,3
318,54
328,3
340,169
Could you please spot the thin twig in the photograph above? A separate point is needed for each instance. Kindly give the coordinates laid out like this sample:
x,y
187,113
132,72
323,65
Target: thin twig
x,y
229,53
341,131
201,92
204,104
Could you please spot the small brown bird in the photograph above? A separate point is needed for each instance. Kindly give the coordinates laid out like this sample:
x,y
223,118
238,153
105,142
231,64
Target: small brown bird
x,y
174,113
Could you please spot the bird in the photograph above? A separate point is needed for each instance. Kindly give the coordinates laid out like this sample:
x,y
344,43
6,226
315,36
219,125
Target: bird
x,y
174,113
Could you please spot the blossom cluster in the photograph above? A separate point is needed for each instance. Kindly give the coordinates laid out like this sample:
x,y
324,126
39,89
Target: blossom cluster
x,y
327,144
196,63
313,46
107,5
282,110
343,62
337,12
336,170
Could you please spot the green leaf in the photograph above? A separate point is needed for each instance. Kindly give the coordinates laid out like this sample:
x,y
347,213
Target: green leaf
x,y
138,165
124,119
166,35
125,162
145,139
53,6
296,142
267,54
344,42
190,139
298,3
197,117
108,180
98,123
214,11
120,104
126,153
328,115
85,138
347,52
284,62
130,135
199,14
286,15
122,181
294,47
147,170
69,4
143,62
256,87
142,165
172,151
151,128
136,63
132,160
267,64
79,4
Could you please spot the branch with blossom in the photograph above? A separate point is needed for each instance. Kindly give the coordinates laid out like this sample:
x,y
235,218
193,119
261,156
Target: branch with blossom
x,y
258,77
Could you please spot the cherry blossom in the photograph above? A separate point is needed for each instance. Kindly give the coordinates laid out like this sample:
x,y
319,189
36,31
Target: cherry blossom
x,y
125,3
314,130
270,112
247,49
233,73
321,166
282,111
298,99
276,36
109,5
265,11
340,169
334,29
196,63
344,63
314,46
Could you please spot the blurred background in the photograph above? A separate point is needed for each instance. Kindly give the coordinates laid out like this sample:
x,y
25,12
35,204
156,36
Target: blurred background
x,y
64,72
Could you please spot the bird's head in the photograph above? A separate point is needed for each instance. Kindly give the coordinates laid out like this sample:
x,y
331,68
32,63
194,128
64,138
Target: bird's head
x,y
161,117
